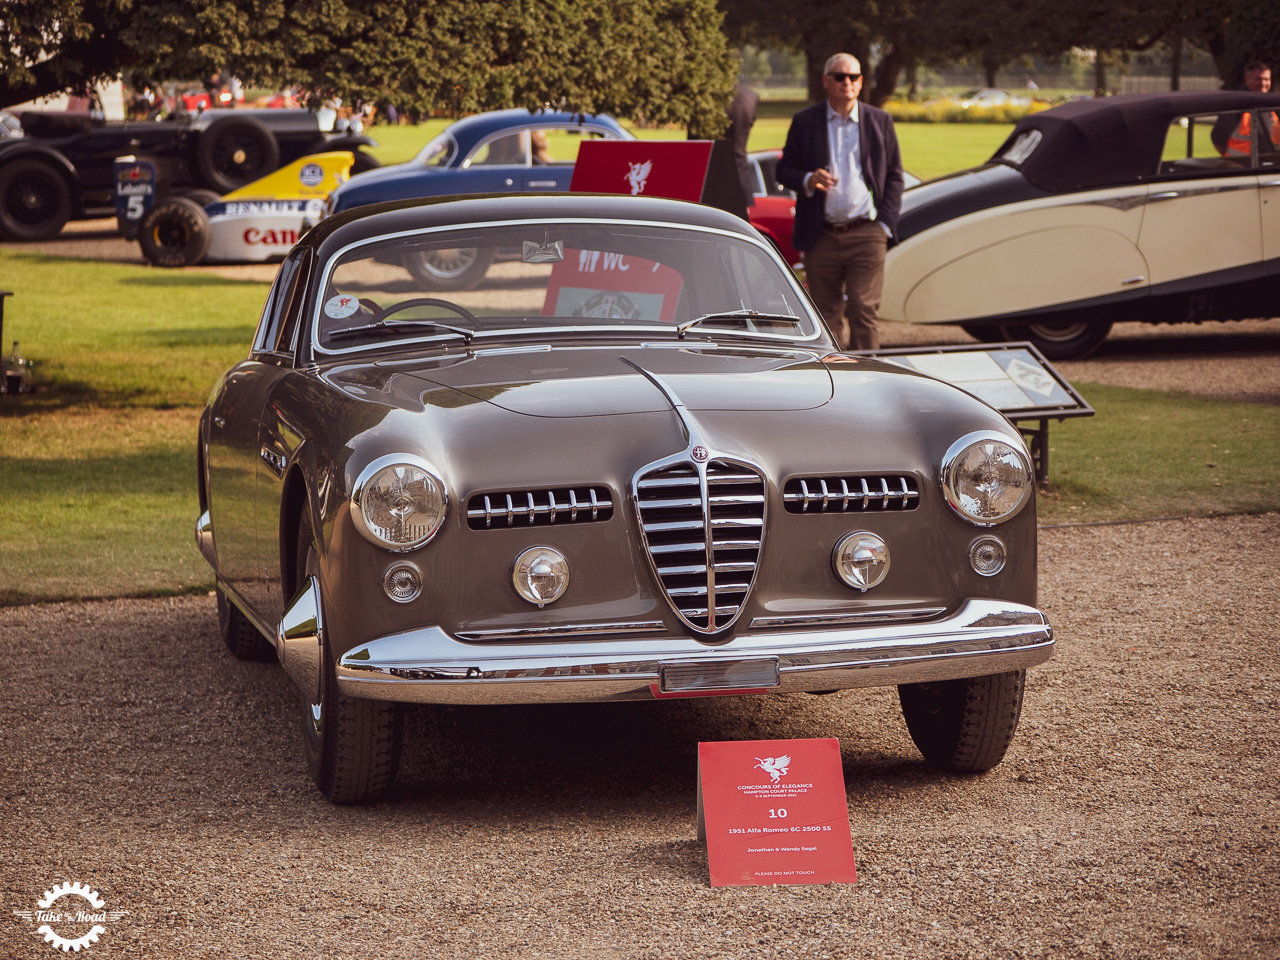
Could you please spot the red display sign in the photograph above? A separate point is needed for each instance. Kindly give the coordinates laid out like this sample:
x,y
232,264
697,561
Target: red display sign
x,y
774,811
650,168
596,283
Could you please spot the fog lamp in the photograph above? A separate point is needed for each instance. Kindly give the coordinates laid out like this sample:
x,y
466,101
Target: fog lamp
x,y
541,575
987,556
403,582
861,560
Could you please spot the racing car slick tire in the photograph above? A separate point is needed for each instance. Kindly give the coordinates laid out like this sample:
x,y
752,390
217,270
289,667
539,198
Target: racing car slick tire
x,y
353,744
176,233
1060,339
239,634
35,203
964,726
364,162
460,268
235,151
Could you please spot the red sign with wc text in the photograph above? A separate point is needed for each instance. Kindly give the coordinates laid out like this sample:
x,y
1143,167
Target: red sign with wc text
x,y
774,811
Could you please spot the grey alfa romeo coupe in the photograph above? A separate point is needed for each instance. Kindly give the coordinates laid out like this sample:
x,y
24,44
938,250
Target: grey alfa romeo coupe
x,y
629,465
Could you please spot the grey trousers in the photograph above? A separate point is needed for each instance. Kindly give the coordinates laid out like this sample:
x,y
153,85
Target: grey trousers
x,y
849,264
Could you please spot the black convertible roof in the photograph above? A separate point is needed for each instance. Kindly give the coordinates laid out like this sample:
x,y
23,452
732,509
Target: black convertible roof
x,y
1113,140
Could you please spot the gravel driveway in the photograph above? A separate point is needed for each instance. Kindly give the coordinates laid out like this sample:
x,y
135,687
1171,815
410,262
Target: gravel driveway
x,y
1137,814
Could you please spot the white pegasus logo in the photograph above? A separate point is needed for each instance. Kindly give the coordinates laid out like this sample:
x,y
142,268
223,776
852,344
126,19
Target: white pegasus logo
x,y
637,174
776,767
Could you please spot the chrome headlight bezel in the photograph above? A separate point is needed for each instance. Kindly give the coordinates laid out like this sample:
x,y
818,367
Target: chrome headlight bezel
x,y
951,483
365,480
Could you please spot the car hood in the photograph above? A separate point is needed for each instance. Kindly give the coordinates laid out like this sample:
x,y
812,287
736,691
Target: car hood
x,y
600,382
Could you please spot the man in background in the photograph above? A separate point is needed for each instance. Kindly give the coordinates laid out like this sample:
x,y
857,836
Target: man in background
x,y
842,161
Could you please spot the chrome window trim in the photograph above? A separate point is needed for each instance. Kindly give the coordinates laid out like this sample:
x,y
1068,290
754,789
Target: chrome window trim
x,y
759,241
585,128
434,166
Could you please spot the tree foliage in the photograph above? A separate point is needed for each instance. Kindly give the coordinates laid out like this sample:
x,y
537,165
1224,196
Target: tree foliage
x,y
657,61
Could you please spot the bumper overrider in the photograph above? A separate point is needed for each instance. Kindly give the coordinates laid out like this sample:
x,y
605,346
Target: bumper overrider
x,y
428,665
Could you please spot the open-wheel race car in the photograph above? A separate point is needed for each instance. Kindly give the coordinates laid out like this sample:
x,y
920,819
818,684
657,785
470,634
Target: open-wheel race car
x,y
1162,208
61,168
260,221
629,465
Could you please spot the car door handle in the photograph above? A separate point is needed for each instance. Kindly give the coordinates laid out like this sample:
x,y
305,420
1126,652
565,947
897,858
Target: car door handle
x,y
1167,195
543,183
1125,283
509,182
219,422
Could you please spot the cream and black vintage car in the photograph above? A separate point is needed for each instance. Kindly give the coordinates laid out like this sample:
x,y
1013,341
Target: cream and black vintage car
x,y
1162,208
629,465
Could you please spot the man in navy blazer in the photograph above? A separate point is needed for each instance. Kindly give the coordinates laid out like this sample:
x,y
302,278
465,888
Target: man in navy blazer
x,y
843,163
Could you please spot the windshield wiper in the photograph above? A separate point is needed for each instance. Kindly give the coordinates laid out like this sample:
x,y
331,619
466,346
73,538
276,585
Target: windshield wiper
x,y
400,325
744,316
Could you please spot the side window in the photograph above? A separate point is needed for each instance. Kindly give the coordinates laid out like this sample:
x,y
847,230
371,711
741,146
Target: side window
x,y
275,332
506,150
291,306
1267,125
1208,143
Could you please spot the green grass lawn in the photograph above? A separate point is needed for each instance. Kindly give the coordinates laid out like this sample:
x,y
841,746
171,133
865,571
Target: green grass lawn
x,y
928,149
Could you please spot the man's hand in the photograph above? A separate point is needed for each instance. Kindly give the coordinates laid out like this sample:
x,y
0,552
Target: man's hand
x,y
821,179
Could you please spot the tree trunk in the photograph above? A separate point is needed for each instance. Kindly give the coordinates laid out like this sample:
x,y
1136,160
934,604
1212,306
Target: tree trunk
x,y
1099,74
1175,65
887,75
913,79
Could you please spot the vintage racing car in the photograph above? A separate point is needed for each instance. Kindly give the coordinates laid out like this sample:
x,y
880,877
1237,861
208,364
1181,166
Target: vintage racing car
x,y
1163,208
630,465
260,221
62,167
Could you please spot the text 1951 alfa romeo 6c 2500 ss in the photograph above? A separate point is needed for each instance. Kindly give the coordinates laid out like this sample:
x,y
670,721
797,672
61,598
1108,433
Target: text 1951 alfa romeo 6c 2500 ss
x,y
629,465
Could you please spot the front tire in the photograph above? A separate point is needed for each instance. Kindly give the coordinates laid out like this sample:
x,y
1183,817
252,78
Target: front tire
x,y
35,203
353,744
964,726
454,269
1060,339
176,233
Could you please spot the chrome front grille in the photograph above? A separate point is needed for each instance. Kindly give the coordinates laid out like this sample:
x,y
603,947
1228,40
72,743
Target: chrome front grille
x,y
703,527
532,508
850,494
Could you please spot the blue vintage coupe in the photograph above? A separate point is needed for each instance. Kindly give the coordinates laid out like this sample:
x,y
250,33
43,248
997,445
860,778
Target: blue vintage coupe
x,y
502,151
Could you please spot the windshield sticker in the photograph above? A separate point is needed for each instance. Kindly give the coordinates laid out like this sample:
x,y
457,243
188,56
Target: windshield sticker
x,y
341,307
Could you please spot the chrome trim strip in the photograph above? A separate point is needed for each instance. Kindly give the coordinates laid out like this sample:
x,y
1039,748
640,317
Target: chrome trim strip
x,y
300,640
519,634
430,666
847,619
204,539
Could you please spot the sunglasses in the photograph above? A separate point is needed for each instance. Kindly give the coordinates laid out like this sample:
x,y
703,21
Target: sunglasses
x,y
839,77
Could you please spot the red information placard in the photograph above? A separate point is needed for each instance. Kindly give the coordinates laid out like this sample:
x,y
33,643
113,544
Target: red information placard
x,y
774,811
595,283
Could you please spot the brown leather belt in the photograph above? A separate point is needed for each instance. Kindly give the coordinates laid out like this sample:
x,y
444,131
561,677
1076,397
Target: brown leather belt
x,y
845,227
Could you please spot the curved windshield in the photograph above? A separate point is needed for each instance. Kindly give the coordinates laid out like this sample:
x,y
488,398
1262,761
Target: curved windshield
x,y
439,150
524,278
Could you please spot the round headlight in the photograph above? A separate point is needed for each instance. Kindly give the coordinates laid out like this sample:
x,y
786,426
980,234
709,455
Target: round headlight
x,y
541,575
399,502
861,560
986,478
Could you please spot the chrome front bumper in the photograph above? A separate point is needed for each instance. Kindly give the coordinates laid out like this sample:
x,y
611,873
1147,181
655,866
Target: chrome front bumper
x,y
429,666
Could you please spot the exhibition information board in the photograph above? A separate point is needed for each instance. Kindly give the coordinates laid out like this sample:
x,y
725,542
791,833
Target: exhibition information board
x,y
774,811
